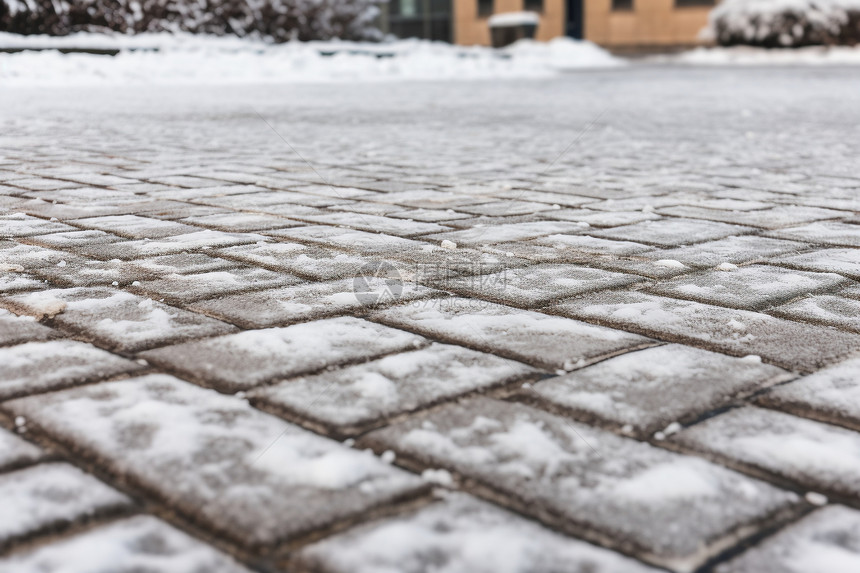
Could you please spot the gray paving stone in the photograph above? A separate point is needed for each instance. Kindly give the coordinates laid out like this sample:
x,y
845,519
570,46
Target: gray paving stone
x,y
352,398
377,224
310,301
250,358
591,245
137,544
753,287
135,227
460,533
115,319
16,329
75,271
772,218
831,395
37,367
310,261
539,339
823,309
15,452
242,473
367,244
175,244
630,391
601,218
590,482
671,232
794,346
16,257
827,233
734,250
813,455
51,496
842,261
72,239
187,288
827,539
240,222
504,233
182,263
536,285
21,225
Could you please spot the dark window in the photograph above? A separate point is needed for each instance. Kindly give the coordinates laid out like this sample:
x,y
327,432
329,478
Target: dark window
x,y
485,7
621,5
689,3
429,19
534,5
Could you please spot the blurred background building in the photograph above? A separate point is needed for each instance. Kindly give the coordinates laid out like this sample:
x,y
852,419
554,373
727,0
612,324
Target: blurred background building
x,y
622,25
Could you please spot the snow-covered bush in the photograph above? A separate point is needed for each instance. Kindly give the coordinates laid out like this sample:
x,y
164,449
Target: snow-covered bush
x,y
786,23
280,20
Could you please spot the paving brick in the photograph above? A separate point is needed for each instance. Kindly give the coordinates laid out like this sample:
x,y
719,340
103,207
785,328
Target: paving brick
x,y
376,223
115,319
828,538
539,339
810,454
187,288
753,287
240,222
842,261
313,262
72,239
791,345
182,263
135,227
15,452
591,245
43,366
249,358
734,250
367,244
175,244
352,398
20,258
827,233
536,285
17,329
601,218
671,232
21,225
310,301
242,473
52,496
463,534
772,218
823,309
141,543
593,483
75,271
503,233
629,391
831,395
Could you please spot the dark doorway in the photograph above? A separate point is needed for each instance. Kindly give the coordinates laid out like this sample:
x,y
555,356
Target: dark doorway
x,y
574,25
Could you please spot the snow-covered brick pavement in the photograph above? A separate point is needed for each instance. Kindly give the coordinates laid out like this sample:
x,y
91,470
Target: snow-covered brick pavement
x,y
604,321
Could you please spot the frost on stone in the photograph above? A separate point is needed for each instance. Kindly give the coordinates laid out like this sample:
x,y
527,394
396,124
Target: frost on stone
x,y
531,337
171,245
751,287
245,474
823,309
830,395
116,319
816,456
827,233
666,508
632,389
42,366
249,358
14,451
49,496
21,225
465,535
369,393
308,301
16,329
365,243
536,285
826,540
787,344
314,262
137,544
843,261
186,288
739,249
671,232
136,227
503,233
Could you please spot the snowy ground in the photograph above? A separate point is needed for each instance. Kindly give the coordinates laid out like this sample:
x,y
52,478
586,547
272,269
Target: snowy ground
x,y
603,321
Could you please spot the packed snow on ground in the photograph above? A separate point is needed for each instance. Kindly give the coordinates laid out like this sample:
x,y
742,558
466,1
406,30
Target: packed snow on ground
x,y
752,56
188,59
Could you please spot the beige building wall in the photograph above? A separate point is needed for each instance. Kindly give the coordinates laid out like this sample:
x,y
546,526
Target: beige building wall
x,y
651,23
